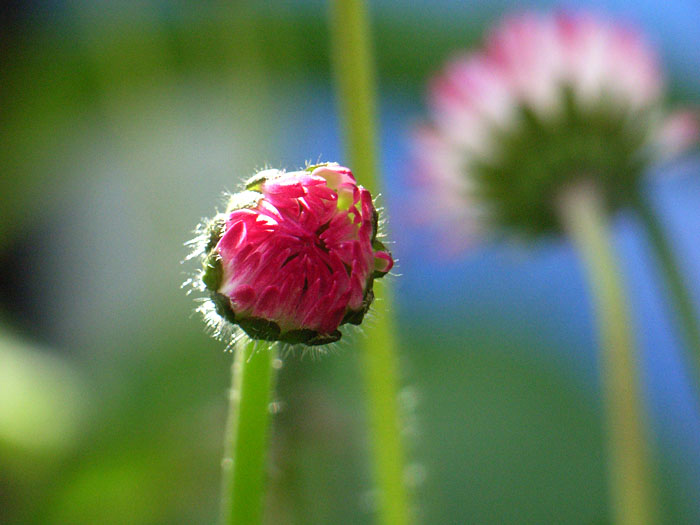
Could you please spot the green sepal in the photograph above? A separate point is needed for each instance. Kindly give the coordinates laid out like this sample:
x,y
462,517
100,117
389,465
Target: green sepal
x,y
312,167
301,336
542,155
258,328
375,223
256,181
215,230
357,316
354,317
324,339
378,246
212,272
222,305
244,199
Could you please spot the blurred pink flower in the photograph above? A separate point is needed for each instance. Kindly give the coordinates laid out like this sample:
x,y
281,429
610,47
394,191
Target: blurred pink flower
x,y
539,72
297,254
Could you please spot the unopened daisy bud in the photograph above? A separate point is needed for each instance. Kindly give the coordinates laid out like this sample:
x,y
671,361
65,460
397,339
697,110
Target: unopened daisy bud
x,y
295,255
548,100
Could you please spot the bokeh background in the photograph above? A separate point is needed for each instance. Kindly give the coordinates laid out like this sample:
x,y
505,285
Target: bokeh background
x,y
122,123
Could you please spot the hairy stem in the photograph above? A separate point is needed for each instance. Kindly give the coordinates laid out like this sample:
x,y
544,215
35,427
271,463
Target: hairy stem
x,y
381,372
632,496
243,465
352,60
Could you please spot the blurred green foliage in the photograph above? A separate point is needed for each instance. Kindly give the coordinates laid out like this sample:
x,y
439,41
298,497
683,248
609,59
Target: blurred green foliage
x,y
84,65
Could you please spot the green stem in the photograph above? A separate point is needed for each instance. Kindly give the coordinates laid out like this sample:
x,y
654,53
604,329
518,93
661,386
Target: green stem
x,y
243,466
381,373
633,498
354,72
355,83
687,314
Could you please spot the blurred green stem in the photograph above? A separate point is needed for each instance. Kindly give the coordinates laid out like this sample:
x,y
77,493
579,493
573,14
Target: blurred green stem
x,y
243,465
633,499
355,83
680,298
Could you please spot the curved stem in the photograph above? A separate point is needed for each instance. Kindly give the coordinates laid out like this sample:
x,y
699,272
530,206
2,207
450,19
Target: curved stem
x,y
243,466
633,500
355,83
687,319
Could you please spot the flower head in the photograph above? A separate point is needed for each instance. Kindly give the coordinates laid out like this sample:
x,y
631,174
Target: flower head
x,y
548,99
295,255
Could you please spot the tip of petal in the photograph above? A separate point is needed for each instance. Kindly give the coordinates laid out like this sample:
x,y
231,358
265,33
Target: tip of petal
x,y
383,262
336,176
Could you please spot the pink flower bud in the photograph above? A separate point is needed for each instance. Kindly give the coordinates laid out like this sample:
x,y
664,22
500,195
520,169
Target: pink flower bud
x,y
295,255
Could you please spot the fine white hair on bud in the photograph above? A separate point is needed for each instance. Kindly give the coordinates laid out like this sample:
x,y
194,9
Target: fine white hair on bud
x,y
293,257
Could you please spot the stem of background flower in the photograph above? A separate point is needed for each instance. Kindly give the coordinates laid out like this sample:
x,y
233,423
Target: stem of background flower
x,y
243,465
630,475
356,88
678,292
